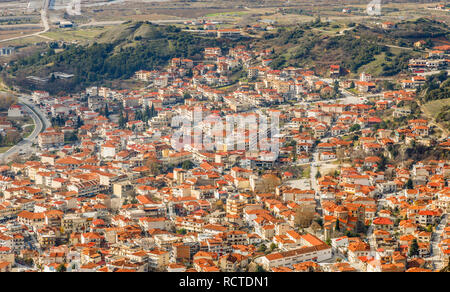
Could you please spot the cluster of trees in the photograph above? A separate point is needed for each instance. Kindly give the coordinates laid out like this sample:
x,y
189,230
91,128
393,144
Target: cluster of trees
x,y
58,121
444,116
310,46
146,114
407,32
71,137
355,127
123,119
297,11
395,64
6,100
436,87
414,248
421,28
304,216
11,138
119,59
358,51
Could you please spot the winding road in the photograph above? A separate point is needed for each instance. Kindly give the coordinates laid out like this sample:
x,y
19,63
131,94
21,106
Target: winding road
x,y
41,123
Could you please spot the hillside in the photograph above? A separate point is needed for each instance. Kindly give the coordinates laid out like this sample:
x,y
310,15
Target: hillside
x,y
119,52
435,98
116,54
406,33
356,48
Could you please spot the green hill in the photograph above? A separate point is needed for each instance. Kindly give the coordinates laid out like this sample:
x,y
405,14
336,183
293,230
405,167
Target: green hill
x,y
117,54
311,44
127,48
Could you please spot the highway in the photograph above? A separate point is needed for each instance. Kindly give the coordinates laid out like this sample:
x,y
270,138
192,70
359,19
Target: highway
x,y
25,146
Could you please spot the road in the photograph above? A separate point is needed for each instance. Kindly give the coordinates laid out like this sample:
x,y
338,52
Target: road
x,y
41,123
397,47
44,20
435,258
434,72
348,98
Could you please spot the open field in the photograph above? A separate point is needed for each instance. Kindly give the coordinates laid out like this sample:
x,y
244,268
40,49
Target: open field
x,y
70,35
16,33
433,108
25,42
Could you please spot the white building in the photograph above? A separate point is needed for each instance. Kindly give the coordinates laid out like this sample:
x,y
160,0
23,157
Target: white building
x,y
312,249
15,111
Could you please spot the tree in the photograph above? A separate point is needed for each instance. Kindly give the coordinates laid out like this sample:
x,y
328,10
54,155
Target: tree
x,y
187,165
336,173
12,137
414,248
336,89
318,174
152,111
260,269
79,122
382,164
154,166
294,154
71,137
121,121
262,248
315,226
219,205
304,215
273,246
106,110
61,268
182,231
6,100
388,85
354,128
409,184
29,262
337,227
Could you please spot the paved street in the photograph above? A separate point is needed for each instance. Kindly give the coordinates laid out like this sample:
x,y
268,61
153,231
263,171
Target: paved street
x,y
41,123
435,251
